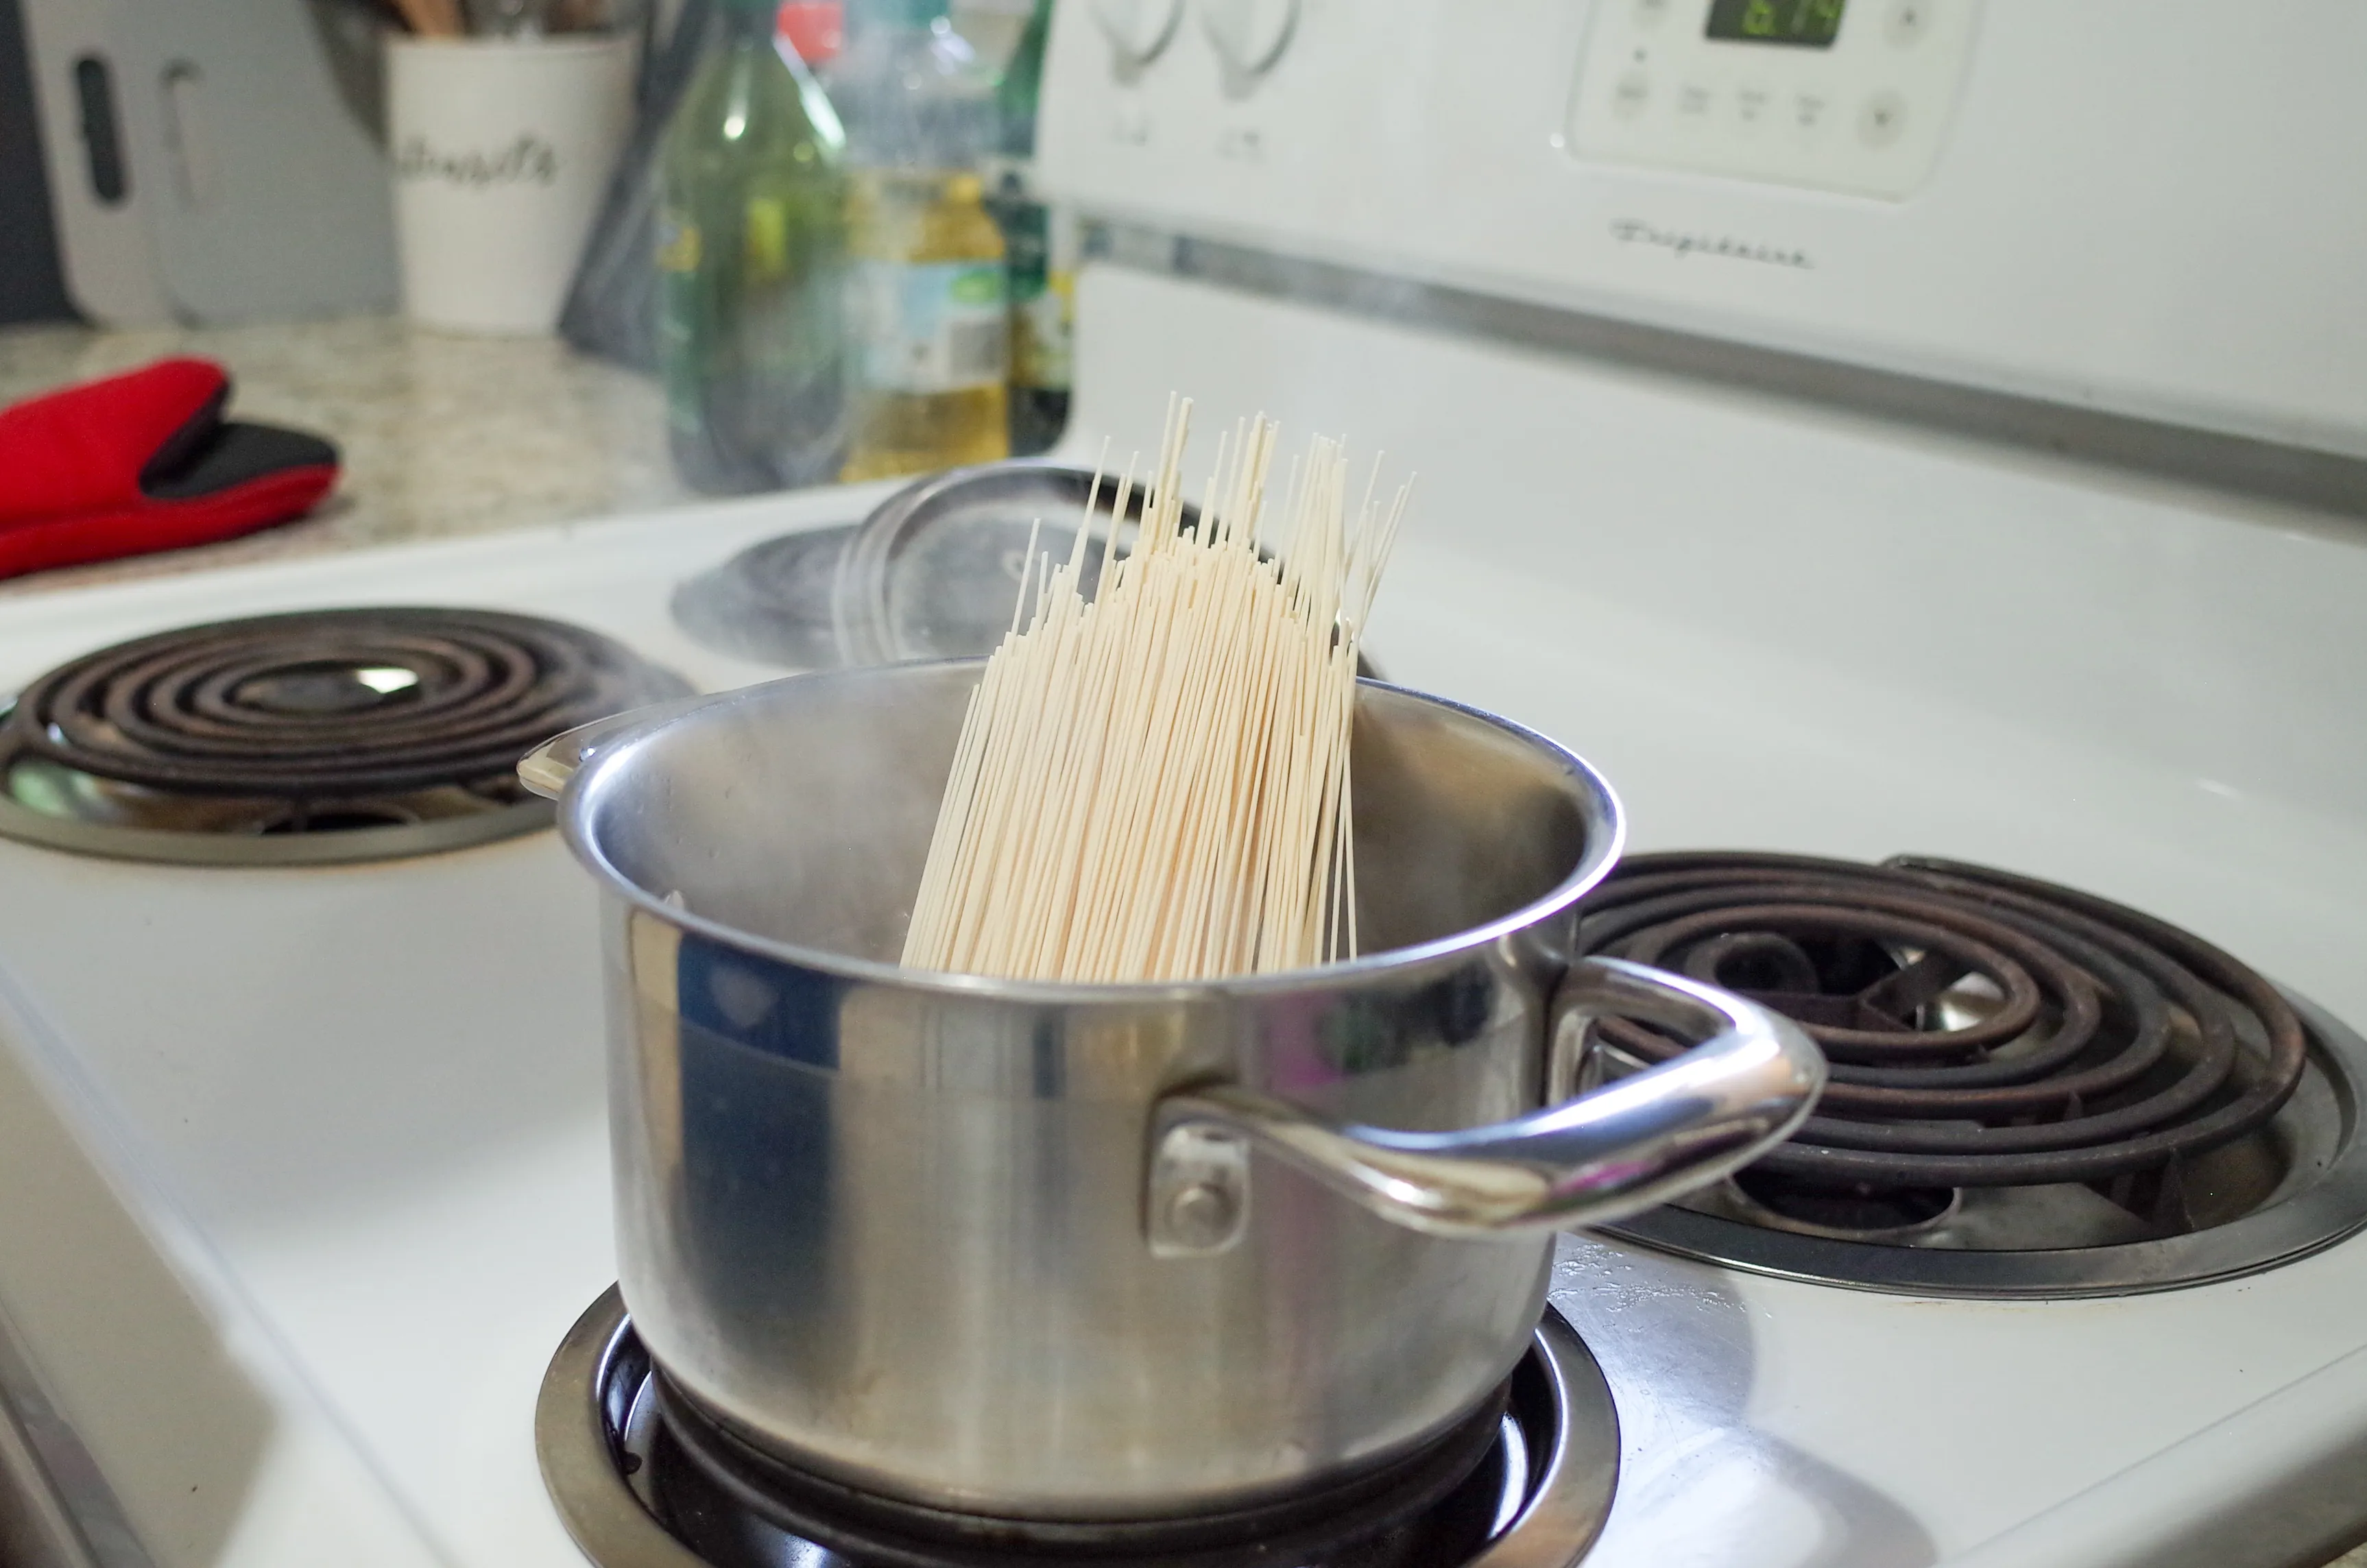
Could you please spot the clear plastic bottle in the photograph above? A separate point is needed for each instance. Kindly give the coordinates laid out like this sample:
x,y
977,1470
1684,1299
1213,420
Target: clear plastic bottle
x,y
752,243
928,289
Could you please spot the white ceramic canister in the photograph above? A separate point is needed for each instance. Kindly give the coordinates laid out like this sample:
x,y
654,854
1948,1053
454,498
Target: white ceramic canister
x,y
502,150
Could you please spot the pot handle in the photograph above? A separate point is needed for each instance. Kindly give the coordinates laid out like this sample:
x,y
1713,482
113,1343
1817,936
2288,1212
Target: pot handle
x,y
549,767
1607,1154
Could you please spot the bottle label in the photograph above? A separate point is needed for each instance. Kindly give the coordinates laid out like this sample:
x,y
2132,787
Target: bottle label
x,y
677,337
931,326
1041,243
1041,351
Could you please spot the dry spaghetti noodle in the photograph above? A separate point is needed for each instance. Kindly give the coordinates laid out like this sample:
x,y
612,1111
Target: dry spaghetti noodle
x,y
1153,785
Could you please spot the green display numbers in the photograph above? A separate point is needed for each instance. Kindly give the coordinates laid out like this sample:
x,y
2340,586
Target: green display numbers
x,y
1811,24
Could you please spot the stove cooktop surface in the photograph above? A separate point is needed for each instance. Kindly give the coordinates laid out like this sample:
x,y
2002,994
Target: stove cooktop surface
x,y
370,1102
305,1169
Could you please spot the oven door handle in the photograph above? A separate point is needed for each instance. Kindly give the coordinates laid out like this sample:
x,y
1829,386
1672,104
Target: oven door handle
x,y
1621,1148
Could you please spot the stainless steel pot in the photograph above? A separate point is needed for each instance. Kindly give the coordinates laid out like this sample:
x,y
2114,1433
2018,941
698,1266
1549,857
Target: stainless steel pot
x,y
1056,1252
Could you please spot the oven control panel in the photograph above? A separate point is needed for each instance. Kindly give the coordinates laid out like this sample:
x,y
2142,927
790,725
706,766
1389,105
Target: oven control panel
x,y
1137,30
2144,206
1850,95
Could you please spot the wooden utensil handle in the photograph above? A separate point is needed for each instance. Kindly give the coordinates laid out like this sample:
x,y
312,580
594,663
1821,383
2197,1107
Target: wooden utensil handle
x,y
432,19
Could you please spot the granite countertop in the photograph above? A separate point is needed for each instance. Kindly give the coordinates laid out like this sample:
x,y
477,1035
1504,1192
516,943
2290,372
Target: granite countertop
x,y
441,435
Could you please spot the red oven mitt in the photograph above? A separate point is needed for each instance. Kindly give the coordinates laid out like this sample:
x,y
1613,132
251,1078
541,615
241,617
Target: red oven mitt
x,y
145,461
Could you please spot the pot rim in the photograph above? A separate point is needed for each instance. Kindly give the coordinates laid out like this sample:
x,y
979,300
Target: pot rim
x,y
1595,863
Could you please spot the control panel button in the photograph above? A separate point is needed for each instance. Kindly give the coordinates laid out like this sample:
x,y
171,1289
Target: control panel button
x,y
1693,102
1633,94
1241,144
1750,105
1809,112
1908,21
1139,30
1882,120
1652,13
1250,34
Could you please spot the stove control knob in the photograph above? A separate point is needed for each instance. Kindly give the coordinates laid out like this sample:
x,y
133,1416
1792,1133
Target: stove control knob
x,y
1250,34
1138,29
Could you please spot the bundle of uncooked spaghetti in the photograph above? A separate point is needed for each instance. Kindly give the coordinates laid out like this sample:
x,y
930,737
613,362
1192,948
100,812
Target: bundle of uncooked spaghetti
x,y
1153,785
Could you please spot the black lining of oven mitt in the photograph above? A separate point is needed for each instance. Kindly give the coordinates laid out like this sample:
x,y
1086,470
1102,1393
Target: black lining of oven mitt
x,y
209,454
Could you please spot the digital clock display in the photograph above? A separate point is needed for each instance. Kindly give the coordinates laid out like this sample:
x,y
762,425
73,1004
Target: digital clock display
x,y
1808,24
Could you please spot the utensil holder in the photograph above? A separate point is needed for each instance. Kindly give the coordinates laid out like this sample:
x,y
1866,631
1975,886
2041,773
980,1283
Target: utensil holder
x,y
502,150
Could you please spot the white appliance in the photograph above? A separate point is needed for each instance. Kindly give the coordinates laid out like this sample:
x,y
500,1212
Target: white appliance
x,y
215,164
302,1172
2123,205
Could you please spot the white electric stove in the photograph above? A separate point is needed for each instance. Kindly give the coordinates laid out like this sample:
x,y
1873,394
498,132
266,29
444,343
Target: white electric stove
x,y
303,1171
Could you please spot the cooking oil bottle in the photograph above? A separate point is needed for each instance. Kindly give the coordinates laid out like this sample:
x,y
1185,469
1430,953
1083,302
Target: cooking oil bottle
x,y
928,290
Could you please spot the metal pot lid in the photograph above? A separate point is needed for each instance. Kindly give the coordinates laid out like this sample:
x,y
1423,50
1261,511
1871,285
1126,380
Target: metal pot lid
x,y
771,602
934,572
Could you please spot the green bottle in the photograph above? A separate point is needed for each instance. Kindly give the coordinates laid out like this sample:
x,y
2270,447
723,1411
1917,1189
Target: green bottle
x,y
1042,244
751,255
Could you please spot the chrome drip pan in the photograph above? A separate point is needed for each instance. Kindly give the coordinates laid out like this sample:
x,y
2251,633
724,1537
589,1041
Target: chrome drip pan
x,y
2036,1093
633,1496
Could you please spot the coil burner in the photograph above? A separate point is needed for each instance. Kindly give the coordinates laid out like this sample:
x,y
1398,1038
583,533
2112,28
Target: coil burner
x,y
644,1480
2035,1092
332,735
